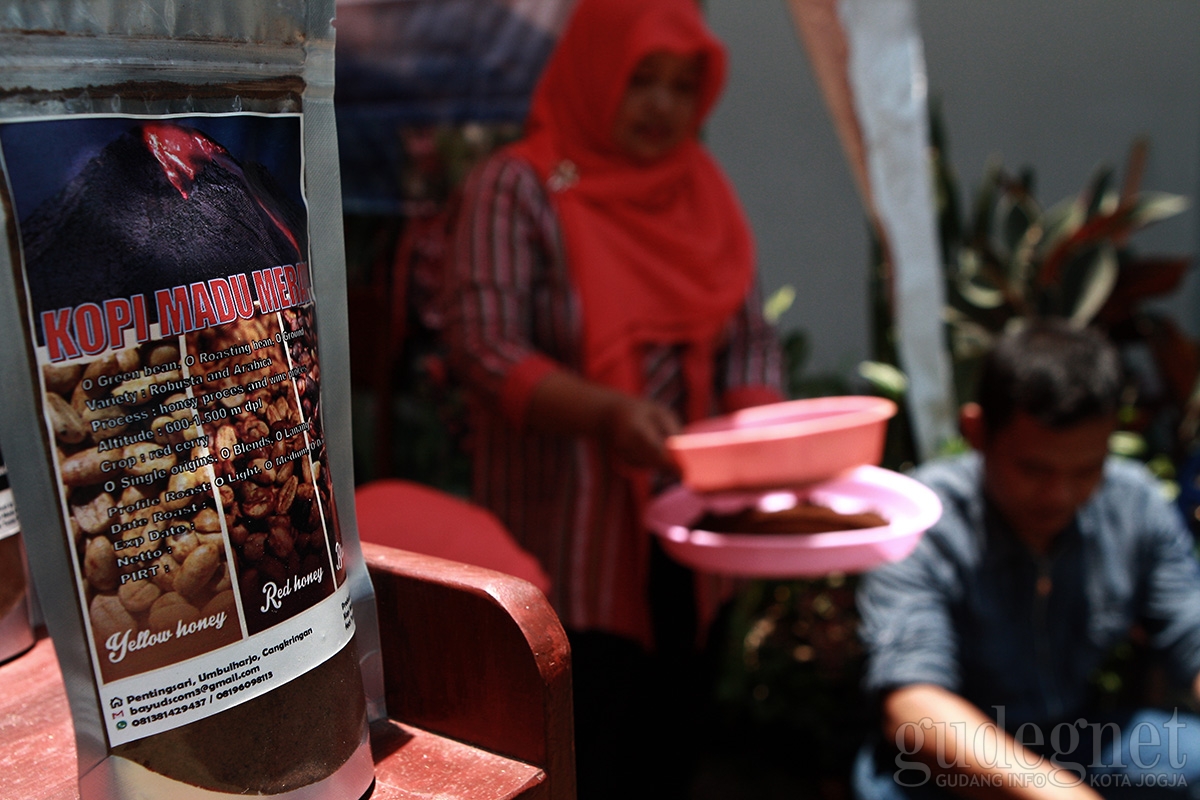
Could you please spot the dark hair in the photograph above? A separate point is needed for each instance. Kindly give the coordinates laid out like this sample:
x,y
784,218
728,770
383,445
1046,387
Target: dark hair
x,y
1056,374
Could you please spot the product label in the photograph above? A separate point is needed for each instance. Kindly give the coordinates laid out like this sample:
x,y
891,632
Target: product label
x,y
9,526
171,308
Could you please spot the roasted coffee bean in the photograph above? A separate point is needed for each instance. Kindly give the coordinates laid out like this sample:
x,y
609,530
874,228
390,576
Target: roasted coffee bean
x,y
238,535
255,547
197,569
138,596
62,378
93,517
183,544
116,489
100,564
257,501
69,427
207,521
281,539
268,494
109,617
85,468
161,354
286,496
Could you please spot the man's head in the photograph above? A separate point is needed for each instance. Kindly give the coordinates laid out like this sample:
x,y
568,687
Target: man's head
x,y
1047,402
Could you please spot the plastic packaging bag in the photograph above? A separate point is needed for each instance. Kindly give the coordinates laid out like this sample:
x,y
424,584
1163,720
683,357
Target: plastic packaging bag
x,y
16,628
173,231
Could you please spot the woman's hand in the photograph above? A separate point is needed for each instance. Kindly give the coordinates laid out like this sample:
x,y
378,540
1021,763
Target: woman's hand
x,y
636,431
633,429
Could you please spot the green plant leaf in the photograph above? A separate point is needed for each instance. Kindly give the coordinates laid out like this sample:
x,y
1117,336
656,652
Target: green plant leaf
x,y
937,127
1096,285
885,378
1162,467
1024,258
1098,231
1060,221
796,348
1026,180
973,285
955,445
1015,218
968,338
1094,194
1127,443
1154,207
985,202
778,303
1020,213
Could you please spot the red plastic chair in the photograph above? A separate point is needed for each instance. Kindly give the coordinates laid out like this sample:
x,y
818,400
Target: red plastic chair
x,y
420,519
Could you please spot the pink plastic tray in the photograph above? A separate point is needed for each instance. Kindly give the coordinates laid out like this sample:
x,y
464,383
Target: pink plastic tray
x,y
910,508
782,444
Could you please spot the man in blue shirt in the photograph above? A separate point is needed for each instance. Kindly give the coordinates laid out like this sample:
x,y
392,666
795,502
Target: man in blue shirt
x,y
982,642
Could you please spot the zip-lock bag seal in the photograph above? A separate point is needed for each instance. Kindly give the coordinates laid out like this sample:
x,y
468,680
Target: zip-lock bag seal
x,y
172,245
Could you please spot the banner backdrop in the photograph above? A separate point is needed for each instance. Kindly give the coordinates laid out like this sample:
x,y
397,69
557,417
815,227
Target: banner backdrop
x,y
427,62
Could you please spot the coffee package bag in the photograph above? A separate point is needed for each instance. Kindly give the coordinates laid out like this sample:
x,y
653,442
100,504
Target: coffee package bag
x,y
16,624
178,442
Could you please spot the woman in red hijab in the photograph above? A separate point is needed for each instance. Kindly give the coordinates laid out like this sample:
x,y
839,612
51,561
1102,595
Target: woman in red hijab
x,y
602,295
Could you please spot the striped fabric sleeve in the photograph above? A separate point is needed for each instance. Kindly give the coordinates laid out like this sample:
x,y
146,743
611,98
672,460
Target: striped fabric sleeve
x,y
750,366
499,244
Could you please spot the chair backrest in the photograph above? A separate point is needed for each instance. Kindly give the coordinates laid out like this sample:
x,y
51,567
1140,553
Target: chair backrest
x,y
477,656
421,519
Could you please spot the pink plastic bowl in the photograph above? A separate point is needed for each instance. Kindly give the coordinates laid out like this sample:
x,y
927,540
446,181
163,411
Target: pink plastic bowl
x,y
909,507
782,444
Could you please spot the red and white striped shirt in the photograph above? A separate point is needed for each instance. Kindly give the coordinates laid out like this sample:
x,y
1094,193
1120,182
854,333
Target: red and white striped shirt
x,y
512,316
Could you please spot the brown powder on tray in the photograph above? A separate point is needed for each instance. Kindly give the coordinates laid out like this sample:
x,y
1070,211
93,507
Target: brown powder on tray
x,y
802,519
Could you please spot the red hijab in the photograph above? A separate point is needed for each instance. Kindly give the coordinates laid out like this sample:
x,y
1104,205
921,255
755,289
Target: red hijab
x,y
660,252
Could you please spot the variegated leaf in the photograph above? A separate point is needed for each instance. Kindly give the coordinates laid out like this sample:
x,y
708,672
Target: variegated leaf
x,y
967,282
778,303
1153,207
885,378
1098,285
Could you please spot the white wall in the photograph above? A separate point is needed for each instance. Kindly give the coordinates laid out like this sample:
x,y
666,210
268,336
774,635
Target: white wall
x,y
774,137
1058,85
